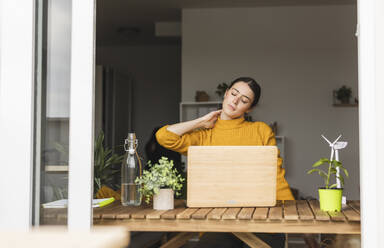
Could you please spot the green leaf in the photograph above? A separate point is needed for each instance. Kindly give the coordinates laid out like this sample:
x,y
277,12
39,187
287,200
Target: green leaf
x,y
346,172
323,174
320,172
336,163
311,171
104,159
160,175
97,184
318,163
333,186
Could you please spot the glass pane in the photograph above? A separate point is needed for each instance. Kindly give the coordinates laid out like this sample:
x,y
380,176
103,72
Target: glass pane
x,y
53,47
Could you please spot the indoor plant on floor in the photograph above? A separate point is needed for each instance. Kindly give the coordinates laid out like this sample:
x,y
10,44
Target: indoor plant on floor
x,y
104,160
330,196
161,181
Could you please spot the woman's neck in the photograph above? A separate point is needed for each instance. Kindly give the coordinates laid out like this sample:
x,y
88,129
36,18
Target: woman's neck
x,y
223,116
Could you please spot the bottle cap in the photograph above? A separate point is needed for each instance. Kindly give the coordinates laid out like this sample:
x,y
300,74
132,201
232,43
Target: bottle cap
x,y
131,136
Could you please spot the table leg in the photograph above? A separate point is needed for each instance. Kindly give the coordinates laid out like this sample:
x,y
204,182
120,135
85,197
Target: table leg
x,y
310,240
179,240
252,240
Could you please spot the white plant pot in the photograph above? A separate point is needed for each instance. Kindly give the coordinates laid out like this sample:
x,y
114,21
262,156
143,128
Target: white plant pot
x,y
163,200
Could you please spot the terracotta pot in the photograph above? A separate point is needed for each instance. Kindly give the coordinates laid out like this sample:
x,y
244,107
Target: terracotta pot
x,y
163,200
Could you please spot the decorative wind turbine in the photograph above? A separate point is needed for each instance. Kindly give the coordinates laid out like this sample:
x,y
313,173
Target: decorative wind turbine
x,y
335,147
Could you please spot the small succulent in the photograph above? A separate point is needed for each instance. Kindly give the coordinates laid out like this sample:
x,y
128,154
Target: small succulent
x,y
160,175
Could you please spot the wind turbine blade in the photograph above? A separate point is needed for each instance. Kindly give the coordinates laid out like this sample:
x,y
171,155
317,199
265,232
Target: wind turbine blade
x,y
334,142
326,140
340,145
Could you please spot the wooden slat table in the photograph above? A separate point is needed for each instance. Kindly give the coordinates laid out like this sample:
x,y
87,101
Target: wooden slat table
x,y
286,217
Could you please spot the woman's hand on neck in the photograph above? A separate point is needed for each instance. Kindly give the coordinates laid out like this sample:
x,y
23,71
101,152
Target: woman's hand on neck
x,y
206,121
209,120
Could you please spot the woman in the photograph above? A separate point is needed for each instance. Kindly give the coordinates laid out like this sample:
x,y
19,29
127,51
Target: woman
x,y
227,127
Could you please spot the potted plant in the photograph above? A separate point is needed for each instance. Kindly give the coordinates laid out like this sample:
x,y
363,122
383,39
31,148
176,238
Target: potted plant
x,y
221,88
161,182
344,94
104,159
330,196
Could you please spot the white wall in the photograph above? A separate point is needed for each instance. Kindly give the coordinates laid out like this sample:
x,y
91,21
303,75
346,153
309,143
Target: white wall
x,y
156,87
298,55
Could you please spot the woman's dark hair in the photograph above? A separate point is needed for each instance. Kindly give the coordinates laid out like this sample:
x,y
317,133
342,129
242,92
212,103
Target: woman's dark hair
x,y
255,87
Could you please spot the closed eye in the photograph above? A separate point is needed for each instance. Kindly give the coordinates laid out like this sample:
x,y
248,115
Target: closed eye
x,y
244,99
234,92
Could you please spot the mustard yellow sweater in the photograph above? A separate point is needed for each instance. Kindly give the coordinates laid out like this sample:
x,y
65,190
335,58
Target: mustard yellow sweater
x,y
237,132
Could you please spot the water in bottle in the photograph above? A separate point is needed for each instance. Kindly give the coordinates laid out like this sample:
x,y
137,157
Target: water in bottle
x,y
130,170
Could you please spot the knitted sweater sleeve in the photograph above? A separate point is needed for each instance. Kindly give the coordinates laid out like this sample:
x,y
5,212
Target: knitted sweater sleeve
x,y
283,189
179,143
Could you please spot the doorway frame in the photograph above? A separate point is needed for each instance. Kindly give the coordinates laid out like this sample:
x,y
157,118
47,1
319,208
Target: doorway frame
x,y
16,123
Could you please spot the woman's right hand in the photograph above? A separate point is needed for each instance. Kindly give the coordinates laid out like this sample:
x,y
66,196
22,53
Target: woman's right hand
x,y
206,121
209,120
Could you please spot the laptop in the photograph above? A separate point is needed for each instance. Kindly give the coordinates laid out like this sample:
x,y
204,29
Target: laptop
x,y
231,176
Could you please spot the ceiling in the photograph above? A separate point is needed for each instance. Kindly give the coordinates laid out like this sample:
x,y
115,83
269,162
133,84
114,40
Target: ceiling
x,y
131,22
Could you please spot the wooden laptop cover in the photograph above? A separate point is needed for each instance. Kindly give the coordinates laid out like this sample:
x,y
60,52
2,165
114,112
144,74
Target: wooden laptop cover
x,y
231,176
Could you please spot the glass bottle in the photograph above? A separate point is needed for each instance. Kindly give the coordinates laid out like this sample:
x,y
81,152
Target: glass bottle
x,y
130,170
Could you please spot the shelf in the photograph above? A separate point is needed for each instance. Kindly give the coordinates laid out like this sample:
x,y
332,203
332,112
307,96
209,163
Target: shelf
x,y
202,103
56,168
193,110
57,118
345,105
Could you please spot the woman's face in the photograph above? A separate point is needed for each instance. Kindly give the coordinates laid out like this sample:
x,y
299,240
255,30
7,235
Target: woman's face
x,y
237,100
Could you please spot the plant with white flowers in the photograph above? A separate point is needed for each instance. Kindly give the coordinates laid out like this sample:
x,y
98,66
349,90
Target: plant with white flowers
x,y
159,176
